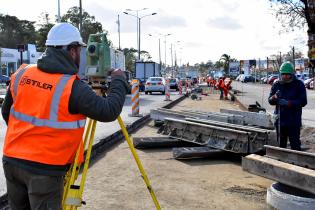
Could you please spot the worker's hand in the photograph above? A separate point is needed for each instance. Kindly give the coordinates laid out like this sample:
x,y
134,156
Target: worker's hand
x,y
283,102
117,72
278,94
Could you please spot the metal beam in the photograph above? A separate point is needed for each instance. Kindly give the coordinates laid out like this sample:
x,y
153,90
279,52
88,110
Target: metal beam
x,y
303,159
253,118
295,176
208,135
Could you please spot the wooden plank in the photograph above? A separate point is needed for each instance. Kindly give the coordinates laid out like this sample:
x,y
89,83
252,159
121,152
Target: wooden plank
x,y
299,158
295,176
195,152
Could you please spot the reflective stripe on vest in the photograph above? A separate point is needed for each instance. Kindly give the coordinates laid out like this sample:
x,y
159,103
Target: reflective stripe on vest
x,y
52,122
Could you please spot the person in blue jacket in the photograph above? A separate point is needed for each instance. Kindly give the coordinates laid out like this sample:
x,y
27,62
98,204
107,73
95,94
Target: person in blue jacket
x,y
289,96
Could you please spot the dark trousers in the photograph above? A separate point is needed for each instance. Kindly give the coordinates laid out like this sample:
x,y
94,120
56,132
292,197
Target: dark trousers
x,y
293,134
32,191
221,93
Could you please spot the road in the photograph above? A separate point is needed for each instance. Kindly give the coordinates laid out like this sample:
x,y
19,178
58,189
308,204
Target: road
x,y
259,92
147,102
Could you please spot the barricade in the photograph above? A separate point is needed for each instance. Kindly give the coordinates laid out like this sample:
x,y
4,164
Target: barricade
x,y
180,88
135,100
167,91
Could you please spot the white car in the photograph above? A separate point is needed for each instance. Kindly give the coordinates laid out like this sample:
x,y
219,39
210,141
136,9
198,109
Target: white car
x,y
155,84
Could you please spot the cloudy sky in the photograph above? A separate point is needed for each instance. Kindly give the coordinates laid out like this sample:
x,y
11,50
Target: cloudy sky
x,y
201,30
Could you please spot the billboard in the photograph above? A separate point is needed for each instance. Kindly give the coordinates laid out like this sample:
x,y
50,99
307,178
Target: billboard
x,y
234,68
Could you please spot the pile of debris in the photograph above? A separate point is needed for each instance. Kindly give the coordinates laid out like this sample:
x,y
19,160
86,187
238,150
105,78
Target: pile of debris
x,y
210,132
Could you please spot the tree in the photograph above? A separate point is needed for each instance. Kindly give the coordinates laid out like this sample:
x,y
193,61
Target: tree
x,y
145,55
14,31
44,25
225,59
89,25
293,13
130,58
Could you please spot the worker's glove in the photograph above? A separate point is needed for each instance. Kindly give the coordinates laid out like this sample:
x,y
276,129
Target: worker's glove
x,y
283,102
116,72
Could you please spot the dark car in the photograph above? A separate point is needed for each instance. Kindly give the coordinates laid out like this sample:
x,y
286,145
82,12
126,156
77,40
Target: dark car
x,y
248,78
174,84
4,79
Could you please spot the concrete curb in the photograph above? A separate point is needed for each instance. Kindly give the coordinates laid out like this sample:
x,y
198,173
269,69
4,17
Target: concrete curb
x,y
107,143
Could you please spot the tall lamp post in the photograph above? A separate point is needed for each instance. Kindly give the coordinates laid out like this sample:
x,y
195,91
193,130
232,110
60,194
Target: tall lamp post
x,y
160,60
165,35
138,24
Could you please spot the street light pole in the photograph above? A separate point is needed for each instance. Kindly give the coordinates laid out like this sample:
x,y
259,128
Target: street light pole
x,y
138,25
59,18
80,16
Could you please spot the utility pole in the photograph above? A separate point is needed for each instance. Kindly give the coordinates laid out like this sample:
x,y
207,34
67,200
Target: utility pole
x,y
267,66
139,19
118,23
160,54
172,68
80,16
293,57
59,18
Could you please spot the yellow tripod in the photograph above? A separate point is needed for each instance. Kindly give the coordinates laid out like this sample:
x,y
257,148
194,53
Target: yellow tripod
x,y
72,196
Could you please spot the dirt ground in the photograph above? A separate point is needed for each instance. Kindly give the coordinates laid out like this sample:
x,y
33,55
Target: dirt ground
x,y
114,181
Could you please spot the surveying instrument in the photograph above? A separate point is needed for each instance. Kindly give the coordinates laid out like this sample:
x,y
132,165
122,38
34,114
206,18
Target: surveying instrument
x,y
100,62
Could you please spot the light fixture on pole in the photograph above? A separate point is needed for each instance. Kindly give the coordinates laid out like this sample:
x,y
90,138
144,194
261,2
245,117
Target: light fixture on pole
x,y
160,60
138,24
165,35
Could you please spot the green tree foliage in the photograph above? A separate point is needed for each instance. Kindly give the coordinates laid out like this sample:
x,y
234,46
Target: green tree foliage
x,y
130,58
44,25
89,25
14,31
225,60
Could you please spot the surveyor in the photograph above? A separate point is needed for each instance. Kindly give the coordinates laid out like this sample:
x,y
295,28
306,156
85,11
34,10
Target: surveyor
x,y
289,96
45,109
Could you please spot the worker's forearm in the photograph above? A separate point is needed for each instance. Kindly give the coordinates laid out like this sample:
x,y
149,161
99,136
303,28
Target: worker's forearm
x,y
6,106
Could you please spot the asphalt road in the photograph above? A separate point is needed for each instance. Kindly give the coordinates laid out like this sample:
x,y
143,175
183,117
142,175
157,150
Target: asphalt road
x,y
260,92
147,102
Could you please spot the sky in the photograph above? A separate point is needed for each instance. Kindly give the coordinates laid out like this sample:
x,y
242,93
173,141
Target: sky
x,y
201,30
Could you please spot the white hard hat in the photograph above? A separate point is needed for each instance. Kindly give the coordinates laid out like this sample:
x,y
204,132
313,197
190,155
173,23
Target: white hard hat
x,y
63,34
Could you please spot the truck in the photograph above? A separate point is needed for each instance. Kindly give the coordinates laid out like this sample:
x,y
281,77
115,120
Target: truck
x,y
144,70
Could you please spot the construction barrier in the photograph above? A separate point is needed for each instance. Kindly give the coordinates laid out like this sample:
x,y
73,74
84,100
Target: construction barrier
x,y
135,100
180,88
167,91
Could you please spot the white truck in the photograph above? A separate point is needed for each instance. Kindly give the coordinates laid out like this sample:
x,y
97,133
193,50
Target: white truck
x,y
144,70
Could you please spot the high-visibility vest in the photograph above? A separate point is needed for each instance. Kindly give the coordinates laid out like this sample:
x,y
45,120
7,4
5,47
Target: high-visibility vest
x,y
40,127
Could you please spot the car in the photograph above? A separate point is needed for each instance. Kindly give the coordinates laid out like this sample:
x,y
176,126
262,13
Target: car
x,y
307,83
4,79
3,91
238,78
174,84
155,84
247,78
271,79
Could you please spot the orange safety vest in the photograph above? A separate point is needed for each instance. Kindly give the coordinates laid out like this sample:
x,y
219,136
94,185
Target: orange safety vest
x,y
40,127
